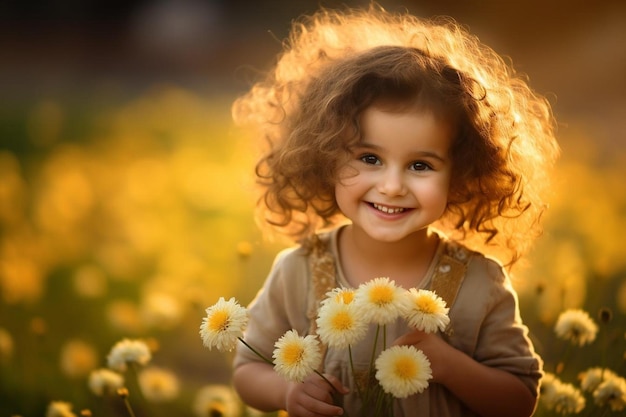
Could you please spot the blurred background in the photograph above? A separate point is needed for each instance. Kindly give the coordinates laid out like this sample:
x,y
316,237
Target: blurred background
x,y
125,206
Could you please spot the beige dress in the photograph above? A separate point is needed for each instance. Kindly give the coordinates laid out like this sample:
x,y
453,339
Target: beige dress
x,y
484,319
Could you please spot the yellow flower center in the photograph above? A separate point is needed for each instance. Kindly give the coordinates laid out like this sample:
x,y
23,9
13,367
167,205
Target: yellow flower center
x,y
218,321
426,305
292,354
342,321
381,295
405,368
346,297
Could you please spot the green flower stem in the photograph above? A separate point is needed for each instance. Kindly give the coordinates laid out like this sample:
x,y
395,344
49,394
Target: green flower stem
x,y
560,366
354,378
326,379
128,407
379,402
371,363
384,337
259,354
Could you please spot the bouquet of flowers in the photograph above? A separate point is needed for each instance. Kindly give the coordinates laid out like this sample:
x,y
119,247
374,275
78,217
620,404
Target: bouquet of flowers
x,y
343,318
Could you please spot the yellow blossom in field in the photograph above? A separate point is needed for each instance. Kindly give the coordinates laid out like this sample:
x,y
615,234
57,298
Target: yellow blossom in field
x,y
223,325
576,326
244,249
124,316
21,279
158,385
380,301
160,310
105,381
128,351
90,281
78,358
296,357
6,345
403,371
216,400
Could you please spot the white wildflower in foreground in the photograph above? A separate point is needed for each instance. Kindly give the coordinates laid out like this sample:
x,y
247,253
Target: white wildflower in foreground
x,y
296,357
576,326
128,351
158,385
339,326
59,409
216,400
547,388
380,301
560,397
105,381
427,311
403,371
611,392
592,377
223,325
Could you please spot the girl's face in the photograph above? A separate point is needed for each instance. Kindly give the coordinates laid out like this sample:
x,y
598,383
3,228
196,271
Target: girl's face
x,y
397,181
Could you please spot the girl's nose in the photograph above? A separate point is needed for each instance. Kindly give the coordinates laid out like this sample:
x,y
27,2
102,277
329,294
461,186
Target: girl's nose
x,y
391,183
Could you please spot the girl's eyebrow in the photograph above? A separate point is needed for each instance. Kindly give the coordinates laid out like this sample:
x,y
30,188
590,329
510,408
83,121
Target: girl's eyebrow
x,y
416,154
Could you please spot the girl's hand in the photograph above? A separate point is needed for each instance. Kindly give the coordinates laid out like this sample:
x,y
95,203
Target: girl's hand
x,y
314,397
433,346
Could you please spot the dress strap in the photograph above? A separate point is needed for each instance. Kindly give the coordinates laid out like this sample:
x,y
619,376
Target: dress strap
x,y
323,277
449,273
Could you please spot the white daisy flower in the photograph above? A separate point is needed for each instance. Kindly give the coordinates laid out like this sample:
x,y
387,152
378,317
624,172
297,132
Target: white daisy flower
x,y
547,388
105,381
564,398
296,357
403,371
339,295
576,326
223,325
128,351
592,377
339,326
611,392
427,311
380,301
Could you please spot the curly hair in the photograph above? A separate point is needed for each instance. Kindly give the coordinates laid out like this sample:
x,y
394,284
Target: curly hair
x,y
337,63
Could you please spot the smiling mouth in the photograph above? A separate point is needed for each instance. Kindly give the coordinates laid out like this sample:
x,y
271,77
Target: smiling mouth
x,y
388,210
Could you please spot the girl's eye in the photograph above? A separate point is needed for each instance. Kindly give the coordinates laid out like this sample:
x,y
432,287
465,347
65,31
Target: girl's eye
x,y
420,166
370,159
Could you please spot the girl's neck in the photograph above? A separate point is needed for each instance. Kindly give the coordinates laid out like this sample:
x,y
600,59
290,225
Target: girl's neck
x,y
406,261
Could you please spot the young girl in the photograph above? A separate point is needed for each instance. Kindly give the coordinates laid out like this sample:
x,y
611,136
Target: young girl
x,y
418,151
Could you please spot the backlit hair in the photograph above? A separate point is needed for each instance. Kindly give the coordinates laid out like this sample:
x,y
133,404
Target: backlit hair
x,y
337,63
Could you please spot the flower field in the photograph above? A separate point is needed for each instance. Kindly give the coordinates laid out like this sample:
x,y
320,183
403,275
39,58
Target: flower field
x,y
121,223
